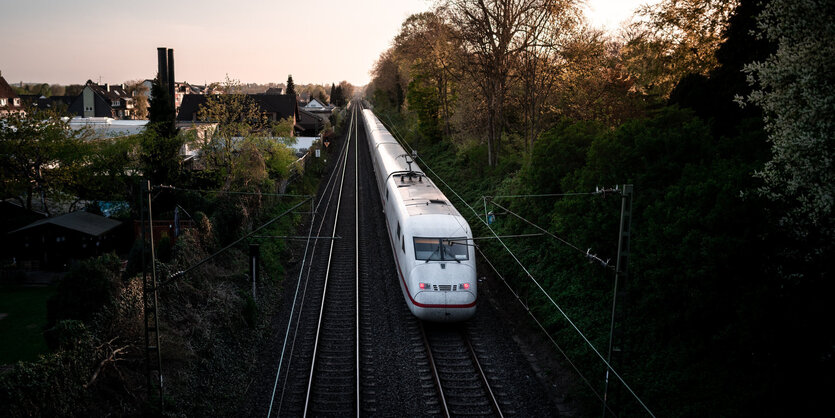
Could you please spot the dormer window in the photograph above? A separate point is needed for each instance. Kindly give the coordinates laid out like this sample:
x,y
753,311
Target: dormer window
x,y
116,103
3,101
16,101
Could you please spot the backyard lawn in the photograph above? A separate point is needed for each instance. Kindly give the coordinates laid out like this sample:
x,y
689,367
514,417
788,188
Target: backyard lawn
x,y
22,318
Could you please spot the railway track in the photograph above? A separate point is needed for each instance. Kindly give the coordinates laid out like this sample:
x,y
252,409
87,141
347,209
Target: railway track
x,y
351,342
321,374
462,384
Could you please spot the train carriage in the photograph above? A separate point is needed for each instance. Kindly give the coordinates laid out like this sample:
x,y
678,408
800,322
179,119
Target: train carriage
x,y
431,241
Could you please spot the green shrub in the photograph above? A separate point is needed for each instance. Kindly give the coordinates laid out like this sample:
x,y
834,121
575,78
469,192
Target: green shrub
x,y
85,290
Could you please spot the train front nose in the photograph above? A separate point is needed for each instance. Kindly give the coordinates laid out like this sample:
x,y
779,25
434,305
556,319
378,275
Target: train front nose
x,y
445,293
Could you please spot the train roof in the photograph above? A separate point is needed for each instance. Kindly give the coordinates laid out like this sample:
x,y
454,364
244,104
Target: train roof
x,y
422,197
419,194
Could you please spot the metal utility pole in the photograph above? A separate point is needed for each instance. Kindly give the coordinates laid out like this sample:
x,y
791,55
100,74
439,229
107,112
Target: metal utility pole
x,y
153,357
621,275
254,251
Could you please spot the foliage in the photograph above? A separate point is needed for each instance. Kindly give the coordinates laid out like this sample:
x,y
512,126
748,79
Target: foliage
x,y
54,385
161,111
89,286
25,307
159,156
137,90
795,90
291,87
673,39
40,155
341,93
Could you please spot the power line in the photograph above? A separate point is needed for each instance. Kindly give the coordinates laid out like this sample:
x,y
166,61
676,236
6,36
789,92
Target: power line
x,y
298,283
542,327
181,273
538,285
181,189
586,253
541,195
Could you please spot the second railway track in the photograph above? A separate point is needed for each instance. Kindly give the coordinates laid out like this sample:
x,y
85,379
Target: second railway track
x,y
352,346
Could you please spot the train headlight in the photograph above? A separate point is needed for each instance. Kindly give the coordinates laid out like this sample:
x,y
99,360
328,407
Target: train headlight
x,y
465,286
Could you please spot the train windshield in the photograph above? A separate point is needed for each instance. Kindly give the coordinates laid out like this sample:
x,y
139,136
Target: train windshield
x,y
441,249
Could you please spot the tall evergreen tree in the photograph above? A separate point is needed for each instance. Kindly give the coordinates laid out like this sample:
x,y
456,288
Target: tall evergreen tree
x,y
291,87
161,113
333,91
160,144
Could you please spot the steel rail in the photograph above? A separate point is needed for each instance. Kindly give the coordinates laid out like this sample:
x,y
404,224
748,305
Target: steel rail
x,y
327,275
434,369
357,259
483,376
331,184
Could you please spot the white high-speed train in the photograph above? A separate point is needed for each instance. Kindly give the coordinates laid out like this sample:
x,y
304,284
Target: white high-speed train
x,y
431,241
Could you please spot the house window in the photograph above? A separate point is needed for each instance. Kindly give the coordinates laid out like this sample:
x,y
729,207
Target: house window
x,y
16,101
3,102
115,103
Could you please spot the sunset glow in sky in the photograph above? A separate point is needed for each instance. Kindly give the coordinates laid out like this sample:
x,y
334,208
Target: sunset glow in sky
x,y
321,41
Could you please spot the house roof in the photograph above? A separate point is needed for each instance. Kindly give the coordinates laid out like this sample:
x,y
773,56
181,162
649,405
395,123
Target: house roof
x,y
310,120
109,92
84,222
6,91
282,105
274,90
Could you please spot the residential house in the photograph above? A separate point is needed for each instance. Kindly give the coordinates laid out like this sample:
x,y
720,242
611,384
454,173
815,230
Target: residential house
x,y
14,215
311,123
314,105
57,103
9,100
275,107
107,101
52,243
181,88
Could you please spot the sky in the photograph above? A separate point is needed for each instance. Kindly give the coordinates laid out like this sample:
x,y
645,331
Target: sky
x,y
260,41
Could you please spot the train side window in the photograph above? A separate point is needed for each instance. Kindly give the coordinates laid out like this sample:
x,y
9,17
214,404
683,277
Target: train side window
x,y
387,194
403,244
398,228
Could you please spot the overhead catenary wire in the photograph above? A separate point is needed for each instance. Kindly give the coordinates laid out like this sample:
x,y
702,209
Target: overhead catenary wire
x,y
541,195
183,189
538,285
542,327
182,273
586,253
299,280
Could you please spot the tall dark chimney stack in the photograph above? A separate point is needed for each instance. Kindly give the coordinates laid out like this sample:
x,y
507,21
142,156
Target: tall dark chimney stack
x,y
162,62
171,81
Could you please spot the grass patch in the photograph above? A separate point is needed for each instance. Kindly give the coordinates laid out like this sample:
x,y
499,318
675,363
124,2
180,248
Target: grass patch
x,y
21,329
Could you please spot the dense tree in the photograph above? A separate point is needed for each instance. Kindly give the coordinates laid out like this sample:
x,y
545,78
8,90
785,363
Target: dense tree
x,y
160,111
431,53
73,90
387,89
672,39
541,64
139,92
493,33
39,156
347,90
291,87
243,131
160,144
795,90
